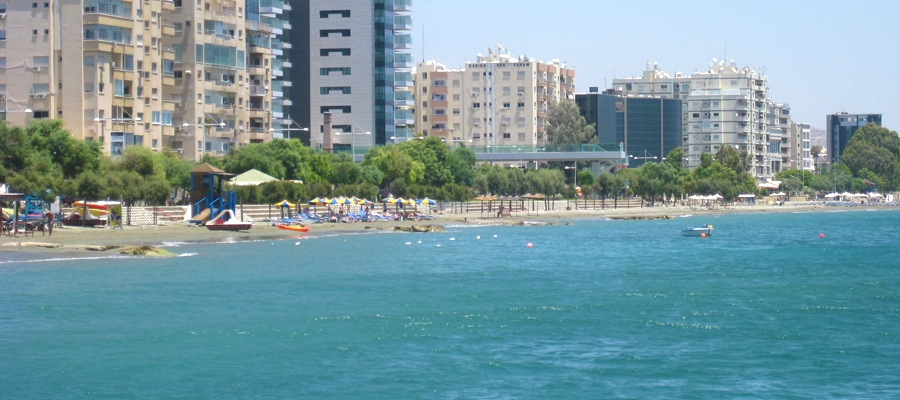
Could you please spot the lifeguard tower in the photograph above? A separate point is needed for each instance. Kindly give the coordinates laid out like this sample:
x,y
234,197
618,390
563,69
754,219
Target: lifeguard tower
x,y
208,198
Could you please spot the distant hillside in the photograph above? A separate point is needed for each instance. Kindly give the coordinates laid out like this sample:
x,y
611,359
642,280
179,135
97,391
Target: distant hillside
x,y
817,137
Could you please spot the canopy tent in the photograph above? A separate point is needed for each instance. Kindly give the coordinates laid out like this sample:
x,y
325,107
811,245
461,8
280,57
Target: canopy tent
x,y
832,195
747,196
252,178
769,185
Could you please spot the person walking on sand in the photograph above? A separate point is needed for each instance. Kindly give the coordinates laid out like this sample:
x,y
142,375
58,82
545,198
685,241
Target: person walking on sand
x,y
49,217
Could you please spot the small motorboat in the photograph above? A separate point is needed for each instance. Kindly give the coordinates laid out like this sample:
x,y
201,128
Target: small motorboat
x,y
705,230
226,221
296,228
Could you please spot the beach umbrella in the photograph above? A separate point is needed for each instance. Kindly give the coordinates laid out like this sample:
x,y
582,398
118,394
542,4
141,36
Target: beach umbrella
x,y
284,203
340,200
426,201
832,195
318,201
365,202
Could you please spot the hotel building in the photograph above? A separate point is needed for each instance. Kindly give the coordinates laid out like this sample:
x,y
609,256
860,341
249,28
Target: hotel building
x,y
841,127
356,57
129,73
725,106
497,100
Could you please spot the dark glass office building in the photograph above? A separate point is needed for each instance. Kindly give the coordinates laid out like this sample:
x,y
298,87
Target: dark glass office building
x,y
648,127
841,127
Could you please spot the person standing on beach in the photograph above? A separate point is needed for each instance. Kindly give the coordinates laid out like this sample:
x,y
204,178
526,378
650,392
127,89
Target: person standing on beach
x,y
49,217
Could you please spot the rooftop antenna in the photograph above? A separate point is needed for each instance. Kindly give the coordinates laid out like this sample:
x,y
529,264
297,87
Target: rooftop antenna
x,y
423,44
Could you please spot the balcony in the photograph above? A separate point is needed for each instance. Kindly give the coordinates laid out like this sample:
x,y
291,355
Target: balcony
x,y
402,5
271,8
286,46
286,64
107,8
286,83
258,90
277,72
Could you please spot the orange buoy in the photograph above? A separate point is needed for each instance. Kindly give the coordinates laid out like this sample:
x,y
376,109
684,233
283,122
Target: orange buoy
x,y
822,235
703,235
529,245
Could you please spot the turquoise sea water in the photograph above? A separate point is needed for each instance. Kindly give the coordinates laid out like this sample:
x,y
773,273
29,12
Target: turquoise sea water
x,y
764,308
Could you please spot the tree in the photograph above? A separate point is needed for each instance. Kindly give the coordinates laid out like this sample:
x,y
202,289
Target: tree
x,y
815,151
877,150
675,157
565,125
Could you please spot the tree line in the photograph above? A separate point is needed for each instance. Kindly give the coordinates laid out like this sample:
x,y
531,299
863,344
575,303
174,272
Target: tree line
x,y
44,159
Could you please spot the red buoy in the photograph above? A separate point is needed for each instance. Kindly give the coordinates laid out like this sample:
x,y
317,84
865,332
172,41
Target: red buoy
x,y
529,245
822,235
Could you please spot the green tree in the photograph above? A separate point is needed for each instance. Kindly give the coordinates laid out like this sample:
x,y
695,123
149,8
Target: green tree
x,y
565,125
877,150
675,157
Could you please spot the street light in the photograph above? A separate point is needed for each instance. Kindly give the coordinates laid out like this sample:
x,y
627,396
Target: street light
x,y
115,121
204,125
645,157
352,140
575,176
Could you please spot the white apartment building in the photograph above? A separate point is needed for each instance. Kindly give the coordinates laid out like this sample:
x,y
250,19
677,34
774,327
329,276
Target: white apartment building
x,y
498,100
724,106
800,146
132,73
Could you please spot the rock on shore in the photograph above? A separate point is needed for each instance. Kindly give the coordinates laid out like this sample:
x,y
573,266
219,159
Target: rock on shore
x,y
640,217
420,228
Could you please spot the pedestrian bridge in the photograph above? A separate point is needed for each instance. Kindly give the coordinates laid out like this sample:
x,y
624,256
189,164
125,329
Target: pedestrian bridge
x,y
603,153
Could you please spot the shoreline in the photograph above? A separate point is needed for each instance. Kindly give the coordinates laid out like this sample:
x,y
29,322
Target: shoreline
x,y
99,242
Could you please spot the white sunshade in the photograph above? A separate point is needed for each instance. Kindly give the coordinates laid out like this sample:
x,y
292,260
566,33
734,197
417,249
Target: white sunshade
x,y
832,195
747,196
779,194
875,195
768,185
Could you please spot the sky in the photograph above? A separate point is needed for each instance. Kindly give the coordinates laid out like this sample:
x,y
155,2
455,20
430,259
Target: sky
x,y
821,57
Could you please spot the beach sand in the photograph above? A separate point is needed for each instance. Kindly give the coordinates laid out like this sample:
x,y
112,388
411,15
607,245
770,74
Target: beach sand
x,y
66,240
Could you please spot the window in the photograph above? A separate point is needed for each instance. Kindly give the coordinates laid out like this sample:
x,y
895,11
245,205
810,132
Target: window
x,y
40,61
128,62
475,75
330,89
119,87
46,31
41,114
476,105
424,90
424,75
343,109
455,111
46,4
440,111
440,83
2,36
456,83
520,89
336,32
424,104
156,117
455,97
328,71
34,5
424,118
520,75
506,75
168,67
327,52
336,13
40,88
521,104
506,105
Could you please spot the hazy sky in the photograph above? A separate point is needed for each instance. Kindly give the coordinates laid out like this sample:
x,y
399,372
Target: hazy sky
x,y
821,57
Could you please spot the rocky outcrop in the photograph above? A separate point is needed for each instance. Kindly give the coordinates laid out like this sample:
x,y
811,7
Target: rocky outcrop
x,y
420,228
148,251
640,217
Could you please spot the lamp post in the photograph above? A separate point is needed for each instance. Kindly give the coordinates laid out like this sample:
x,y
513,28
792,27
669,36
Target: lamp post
x,y
204,125
575,177
115,121
353,140
645,157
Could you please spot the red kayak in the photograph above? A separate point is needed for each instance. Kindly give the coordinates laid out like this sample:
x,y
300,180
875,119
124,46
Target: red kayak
x,y
293,228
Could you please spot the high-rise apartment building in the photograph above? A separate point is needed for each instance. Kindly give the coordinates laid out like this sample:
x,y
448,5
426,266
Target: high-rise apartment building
x,y
356,56
153,73
725,106
648,127
841,127
779,125
498,100
800,147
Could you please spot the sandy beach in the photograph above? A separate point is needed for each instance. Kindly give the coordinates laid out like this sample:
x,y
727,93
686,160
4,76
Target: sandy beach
x,y
78,239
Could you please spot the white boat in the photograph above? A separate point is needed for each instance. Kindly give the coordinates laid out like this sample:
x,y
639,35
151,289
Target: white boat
x,y
698,231
226,221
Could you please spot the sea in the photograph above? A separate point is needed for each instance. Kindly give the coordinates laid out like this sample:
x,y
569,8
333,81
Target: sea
x,y
771,305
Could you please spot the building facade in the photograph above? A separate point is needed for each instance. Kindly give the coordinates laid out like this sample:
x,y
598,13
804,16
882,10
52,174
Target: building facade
x,y
649,127
498,100
724,106
159,73
841,127
800,147
354,54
